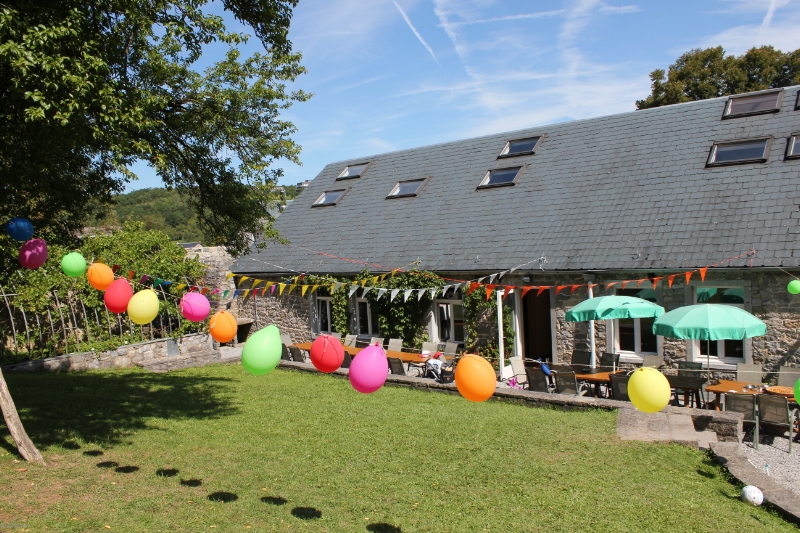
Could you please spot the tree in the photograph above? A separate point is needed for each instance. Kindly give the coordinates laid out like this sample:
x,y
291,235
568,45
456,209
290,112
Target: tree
x,y
701,74
89,87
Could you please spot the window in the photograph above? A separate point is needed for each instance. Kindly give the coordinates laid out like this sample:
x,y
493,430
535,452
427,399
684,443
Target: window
x,y
407,188
724,351
500,177
352,171
635,335
366,320
324,322
520,147
450,320
735,152
755,104
329,198
793,147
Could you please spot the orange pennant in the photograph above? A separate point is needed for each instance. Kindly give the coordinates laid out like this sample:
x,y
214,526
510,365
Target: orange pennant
x,y
489,290
525,291
688,277
472,287
543,288
655,282
609,285
625,283
574,288
560,288
639,282
508,290
670,279
703,273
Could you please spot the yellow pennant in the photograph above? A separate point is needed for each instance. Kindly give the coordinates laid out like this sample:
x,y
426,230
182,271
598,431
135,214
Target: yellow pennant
x,y
229,276
291,288
281,286
333,286
393,272
179,287
375,279
383,277
243,278
303,289
269,284
255,283
314,288
363,282
246,293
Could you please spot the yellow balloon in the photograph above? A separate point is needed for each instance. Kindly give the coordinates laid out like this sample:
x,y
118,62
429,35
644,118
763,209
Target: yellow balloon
x,y
649,390
143,307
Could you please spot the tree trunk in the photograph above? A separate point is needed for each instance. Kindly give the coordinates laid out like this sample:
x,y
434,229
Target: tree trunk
x,y
26,448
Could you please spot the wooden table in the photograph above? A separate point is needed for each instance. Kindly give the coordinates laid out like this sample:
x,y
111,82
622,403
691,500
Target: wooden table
x,y
596,377
690,385
727,385
406,357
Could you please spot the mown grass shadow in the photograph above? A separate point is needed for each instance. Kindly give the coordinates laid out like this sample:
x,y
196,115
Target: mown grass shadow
x,y
104,407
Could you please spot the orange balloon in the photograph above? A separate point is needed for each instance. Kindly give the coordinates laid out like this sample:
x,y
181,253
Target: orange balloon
x,y
100,276
223,326
475,378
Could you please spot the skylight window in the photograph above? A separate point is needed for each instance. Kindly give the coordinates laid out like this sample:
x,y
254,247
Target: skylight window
x,y
756,104
793,147
353,171
520,147
329,198
736,152
407,188
500,177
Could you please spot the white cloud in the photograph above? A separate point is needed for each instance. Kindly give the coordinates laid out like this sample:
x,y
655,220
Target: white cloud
x,y
618,10
778,29
419,37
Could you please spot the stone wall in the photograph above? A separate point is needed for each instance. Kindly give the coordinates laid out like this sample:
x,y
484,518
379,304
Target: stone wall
x,y
290,312
122,357
219,264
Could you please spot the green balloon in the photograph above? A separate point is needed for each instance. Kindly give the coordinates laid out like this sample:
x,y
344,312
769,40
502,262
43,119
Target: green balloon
x,y
262,351
794,286
797,391
73,264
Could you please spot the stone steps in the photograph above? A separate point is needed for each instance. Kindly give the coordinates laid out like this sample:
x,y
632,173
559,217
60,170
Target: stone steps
x,y
662,427
168,364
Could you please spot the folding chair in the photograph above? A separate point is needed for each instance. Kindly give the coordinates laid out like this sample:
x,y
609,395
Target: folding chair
x,y
395,345
745,404
567,383
350,340
373,340
396,366
749,373
537,381
774,411
297,355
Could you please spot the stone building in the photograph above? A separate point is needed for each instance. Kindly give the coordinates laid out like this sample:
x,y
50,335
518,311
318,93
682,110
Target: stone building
x,y
709,187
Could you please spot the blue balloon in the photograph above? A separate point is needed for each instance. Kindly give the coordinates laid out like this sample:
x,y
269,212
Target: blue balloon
x,y
19,229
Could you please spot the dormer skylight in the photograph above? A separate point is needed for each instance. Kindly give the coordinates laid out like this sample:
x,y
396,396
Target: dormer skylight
x,y
754,104
407,188
329,198
738,152
353,171
520,147
500,177
793,147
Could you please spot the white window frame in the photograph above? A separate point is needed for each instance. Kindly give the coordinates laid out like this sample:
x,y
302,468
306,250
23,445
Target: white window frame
x,y
450,303
504,153
693,346
791,144
484,184
712,155
344,175
370,329
636,356
726,114
329,311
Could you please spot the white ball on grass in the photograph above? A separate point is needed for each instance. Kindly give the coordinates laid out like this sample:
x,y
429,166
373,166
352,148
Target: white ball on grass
x,y
752,495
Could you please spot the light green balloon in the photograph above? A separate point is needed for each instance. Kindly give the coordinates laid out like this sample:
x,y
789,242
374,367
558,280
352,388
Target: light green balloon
x,y
794,286
73,264
262,351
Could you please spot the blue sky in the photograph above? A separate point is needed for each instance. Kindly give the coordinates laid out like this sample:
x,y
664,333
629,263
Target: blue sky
x,y
394,74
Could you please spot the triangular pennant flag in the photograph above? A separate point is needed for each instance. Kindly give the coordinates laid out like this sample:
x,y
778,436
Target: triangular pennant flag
x,y
491,278
166,283
445,289
314,288
625,283
574,288
143,279
639,282
383,277
393,271
131,274
157,282
456,287
336,286
243,279
489,290
703,273
204,291
609,285
272,289
670,279
543,288
263,291
381,292
114,268
480,280
303,290
255,283
471,287
225,294
364,294
179,287
375,279
393,294
433,292
560,288
508,290
406,294
655,282
353,289
269,284
246,292
229,276
236,293
281,286
525,291
421,292
291,288
363,282
688,277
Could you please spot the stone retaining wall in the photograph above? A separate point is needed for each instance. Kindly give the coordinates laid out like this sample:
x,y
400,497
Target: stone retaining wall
x,y
122,357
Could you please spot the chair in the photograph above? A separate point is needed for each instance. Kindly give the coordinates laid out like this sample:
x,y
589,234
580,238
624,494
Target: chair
x,y
347,360
745,404
396,366
567,383
286,339
689,368
619,386
774,411
654,361
350,340
537,381
337,335
373,340
395,345
450,348
431,347
581,358
788,375
297,355
285,353
609,360
518,367
748,373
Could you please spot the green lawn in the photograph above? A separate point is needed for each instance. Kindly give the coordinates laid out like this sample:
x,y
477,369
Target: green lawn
x,y
216,449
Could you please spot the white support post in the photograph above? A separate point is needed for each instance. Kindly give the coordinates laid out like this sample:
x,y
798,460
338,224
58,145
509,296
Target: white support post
x,y
518,327
593,360
500,345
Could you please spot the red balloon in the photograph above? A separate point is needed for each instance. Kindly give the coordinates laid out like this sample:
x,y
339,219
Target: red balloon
x,y
327,353
117,296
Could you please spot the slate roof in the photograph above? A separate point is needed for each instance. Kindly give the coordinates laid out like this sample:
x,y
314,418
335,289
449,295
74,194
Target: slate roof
x,y
627,191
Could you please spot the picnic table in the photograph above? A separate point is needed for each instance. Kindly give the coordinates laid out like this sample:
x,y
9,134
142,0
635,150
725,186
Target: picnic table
x,y
740,387
406,357
594,376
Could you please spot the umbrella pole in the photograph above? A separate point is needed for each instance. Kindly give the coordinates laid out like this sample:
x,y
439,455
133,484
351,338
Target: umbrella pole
x,y
708,357
592,359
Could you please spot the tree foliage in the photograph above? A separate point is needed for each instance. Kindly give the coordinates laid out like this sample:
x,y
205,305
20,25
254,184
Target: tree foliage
x,y
480,325
701,74
90,87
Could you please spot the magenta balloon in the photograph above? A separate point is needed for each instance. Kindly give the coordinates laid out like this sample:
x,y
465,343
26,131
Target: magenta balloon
x,y
33,254
195,306
369,369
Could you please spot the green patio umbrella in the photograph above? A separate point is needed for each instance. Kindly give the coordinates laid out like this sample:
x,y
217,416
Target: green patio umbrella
x,y
613,307
709,322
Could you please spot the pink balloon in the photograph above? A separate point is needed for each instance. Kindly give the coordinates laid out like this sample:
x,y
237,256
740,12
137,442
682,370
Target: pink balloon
x,y
369,369
195,307
33,254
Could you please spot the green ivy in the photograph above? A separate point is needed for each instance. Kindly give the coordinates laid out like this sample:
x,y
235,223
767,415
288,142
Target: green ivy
x,y
339,308
480,325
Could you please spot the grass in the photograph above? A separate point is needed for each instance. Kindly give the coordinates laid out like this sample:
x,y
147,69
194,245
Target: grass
x,y
215,449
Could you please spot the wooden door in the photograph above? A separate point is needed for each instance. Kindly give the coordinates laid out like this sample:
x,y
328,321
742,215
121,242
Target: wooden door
x,y
537,325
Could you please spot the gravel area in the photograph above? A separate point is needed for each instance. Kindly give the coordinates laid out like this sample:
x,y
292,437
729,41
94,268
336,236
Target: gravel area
x,y
774,451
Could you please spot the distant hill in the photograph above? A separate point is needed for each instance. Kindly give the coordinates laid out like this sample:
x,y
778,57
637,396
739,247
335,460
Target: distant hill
x,y
163,210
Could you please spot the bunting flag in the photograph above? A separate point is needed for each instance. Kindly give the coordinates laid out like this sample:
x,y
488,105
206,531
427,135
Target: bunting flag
x,y
406,294
381,292
114,269
303,289
445,289
264,291
225,294
353,289
364,294
131,274
182,285
508,290
383,277
456,287
272,289
574,288
363,282
243,279
480,280
281,286
143,279
639,283
525,291
375,279
625,283
655,282
671,279
433,293
336,286
609,285
560,288
688,276
491,278
255,283
291,288
236,293
246,292
269,284
315,287
204,291
393,294
229,276
393,272
489,290
471,287
421,293
543,288
703,273
157,282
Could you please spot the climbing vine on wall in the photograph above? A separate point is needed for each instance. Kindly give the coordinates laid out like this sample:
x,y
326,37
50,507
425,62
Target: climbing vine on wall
x,y
480,325
339,308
